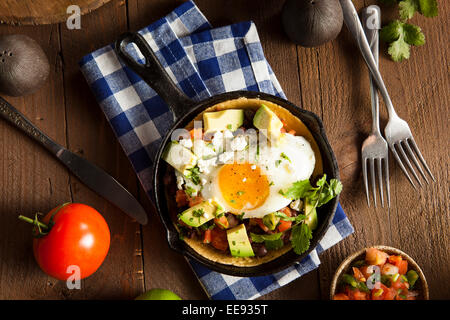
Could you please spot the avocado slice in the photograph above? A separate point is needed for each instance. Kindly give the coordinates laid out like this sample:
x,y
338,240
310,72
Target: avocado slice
x,y
311,215
266,119
199,214
238,241
271,221
179,157
230,119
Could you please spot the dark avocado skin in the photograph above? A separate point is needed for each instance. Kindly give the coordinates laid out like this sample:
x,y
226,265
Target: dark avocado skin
x,y
23,65
311,23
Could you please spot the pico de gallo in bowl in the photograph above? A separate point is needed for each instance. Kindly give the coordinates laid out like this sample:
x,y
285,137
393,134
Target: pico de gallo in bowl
x,y
379,273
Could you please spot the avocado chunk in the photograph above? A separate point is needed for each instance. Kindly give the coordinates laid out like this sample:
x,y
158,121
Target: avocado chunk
x,y
311,215
266,119
230,119
179,157
238,241
271,221
199,214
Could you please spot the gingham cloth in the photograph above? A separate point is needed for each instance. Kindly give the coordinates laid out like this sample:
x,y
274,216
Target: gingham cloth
x,y
203,62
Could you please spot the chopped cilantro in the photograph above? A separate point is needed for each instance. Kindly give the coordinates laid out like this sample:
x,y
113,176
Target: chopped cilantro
x,y
190,191
193,174
219,211
198,213
285,157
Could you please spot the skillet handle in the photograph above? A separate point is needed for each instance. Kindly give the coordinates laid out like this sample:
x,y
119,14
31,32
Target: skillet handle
x,y
153,73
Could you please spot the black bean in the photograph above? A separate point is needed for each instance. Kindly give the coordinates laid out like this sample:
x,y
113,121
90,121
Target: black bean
x,y
259,249
286,236
232,220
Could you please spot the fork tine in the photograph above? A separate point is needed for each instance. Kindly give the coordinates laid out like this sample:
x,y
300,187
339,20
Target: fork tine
x,y
366,183
413,157
400,163
380,181
400,147
416,149
386,172
372,178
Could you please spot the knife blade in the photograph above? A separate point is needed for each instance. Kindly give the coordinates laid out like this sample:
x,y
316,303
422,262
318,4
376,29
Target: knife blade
x,y
91,175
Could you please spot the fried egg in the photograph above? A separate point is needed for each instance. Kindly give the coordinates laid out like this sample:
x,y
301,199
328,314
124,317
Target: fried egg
x,y
252,187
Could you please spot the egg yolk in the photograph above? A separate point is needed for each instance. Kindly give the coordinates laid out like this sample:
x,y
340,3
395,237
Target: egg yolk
x,y
243,186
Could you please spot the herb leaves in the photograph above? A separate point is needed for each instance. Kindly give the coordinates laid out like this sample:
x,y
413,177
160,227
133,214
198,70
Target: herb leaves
x,y
317,196
401,35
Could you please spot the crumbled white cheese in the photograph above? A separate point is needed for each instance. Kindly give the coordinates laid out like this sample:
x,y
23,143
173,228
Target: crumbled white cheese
x,y
205,166
296,204
245,179
187,143
253,167
193,187
226,157
238,143
180,180
201,150
217,141
227,134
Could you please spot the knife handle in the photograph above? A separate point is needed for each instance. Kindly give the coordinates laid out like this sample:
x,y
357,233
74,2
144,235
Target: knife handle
x,y
13,116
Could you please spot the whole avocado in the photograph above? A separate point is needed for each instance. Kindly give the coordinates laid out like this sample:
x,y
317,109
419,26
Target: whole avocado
x,y
311,23
23,65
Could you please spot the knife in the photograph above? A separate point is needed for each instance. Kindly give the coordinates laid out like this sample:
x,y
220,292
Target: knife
x,y
92,176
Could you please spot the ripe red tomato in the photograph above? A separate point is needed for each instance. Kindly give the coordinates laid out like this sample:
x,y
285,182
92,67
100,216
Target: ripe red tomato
x,y
79,237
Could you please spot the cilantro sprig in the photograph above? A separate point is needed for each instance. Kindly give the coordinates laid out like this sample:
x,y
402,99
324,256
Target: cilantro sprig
x,y
300,238
401,35
323,192
319,195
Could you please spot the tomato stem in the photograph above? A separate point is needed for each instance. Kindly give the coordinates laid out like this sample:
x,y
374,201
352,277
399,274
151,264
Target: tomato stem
x,y
38,231
26,219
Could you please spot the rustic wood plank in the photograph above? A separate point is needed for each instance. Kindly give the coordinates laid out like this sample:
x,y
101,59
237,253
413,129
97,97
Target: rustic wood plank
x,y
32,180
90,135
35,12
420,92
341,89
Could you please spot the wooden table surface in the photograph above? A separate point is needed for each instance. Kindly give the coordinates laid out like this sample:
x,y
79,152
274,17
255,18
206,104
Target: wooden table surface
x,y
330,80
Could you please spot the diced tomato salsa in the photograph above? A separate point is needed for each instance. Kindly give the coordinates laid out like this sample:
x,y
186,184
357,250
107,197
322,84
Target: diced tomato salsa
x,y
378,277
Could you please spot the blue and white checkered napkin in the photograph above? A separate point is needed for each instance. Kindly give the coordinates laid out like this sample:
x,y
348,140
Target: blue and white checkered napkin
x,y
203,62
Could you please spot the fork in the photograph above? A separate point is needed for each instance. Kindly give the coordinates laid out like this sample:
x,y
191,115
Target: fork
x,y
374,148
397,132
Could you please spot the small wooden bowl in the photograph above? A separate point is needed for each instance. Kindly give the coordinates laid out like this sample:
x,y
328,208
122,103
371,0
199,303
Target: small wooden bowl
x,y
344,267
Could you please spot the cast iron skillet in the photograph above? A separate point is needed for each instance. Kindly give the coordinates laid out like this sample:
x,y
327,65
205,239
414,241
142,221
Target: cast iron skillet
x,y
184,110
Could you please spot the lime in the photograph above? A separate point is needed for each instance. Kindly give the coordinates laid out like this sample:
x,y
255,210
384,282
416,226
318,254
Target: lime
x,y
158,294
